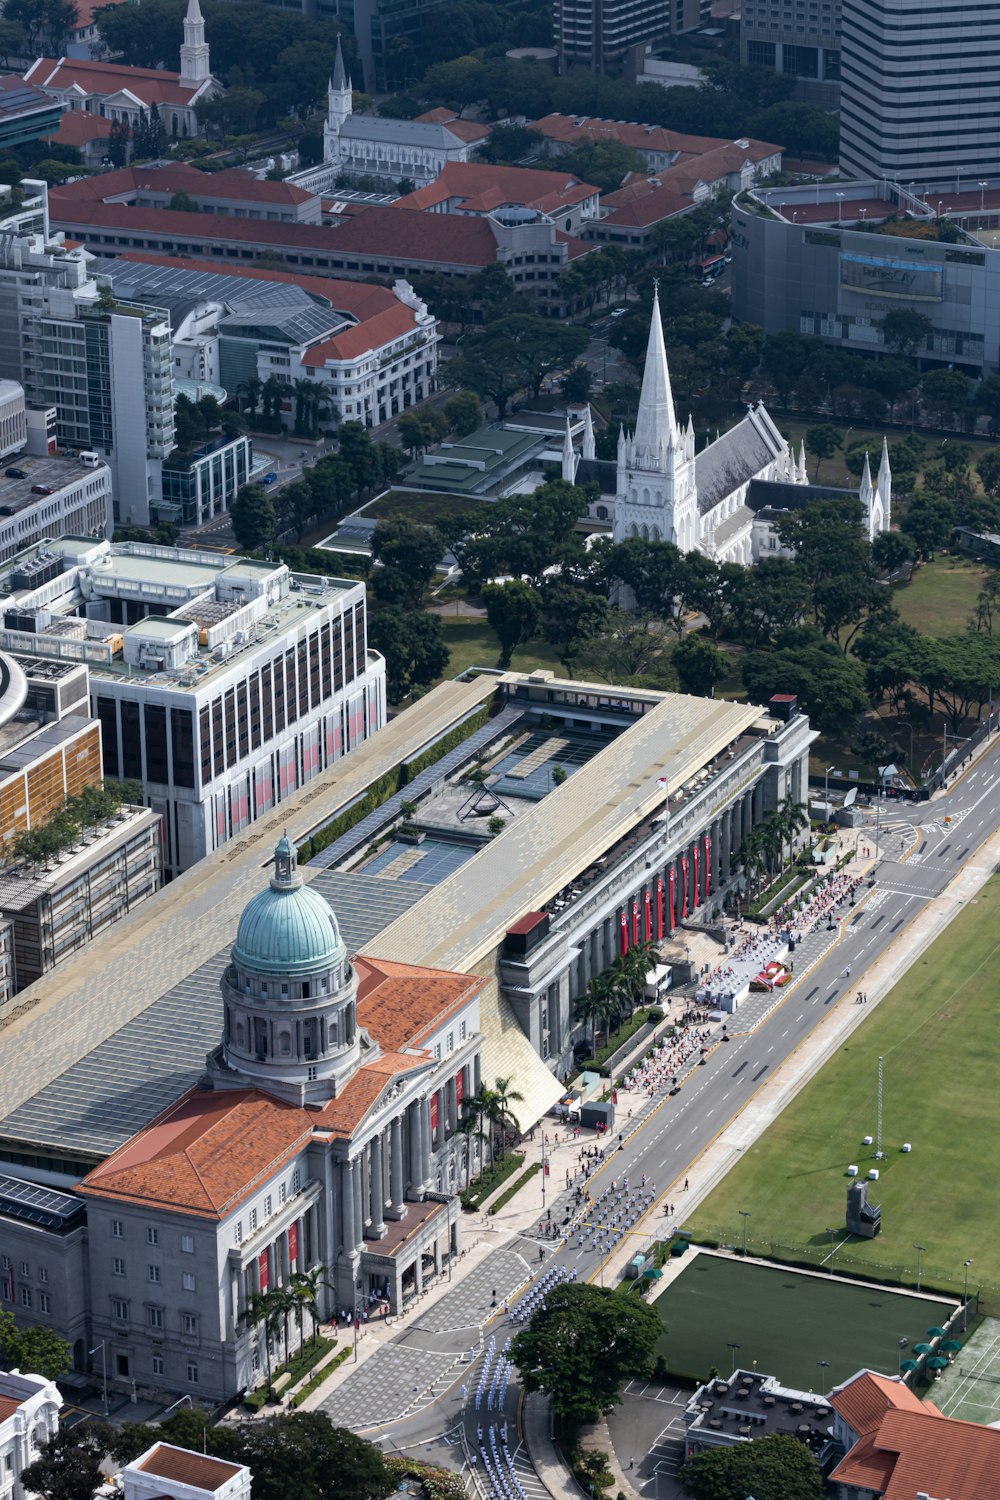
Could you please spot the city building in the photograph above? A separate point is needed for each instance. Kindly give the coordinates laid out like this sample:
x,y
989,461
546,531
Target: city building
x,y
385,33
479,189
165,1472
29,1416
104,365
74,499
725,1413
222,684
203,483
323,1129
26,114
661,489
920,91
13,419
831,260
236,193
598,34
374,146
88,134
83,40
370,351
803,46
119,92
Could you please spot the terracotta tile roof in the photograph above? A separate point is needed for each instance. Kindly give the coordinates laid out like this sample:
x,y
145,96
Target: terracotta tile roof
x,y
77,128
917,1450
642,208
8,1406
376,331
151,85
233,184
205,1154
866,1466
401,1003
466,130
86,11
570,130
184,1467
344,1114
480,189
381,233
864,1400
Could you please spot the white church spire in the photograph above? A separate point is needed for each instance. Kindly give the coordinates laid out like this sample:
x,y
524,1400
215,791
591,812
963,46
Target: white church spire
x,y
195,65
568,456
867,488
339,108
589,448
884,486
656,424
803,477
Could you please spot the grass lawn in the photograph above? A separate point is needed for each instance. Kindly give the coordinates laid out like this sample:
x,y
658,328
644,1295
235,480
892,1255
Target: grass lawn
x,y
940,1094
941,595
784,1321
418,506
473,644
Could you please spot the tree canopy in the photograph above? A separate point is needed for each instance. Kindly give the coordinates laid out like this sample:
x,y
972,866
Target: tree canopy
x,y
778,1467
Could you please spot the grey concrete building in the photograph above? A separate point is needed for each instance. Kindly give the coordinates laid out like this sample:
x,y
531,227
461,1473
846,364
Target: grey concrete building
x,y
798,39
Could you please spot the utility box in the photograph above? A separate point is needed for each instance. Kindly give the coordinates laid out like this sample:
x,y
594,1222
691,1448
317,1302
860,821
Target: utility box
x,y
598,1113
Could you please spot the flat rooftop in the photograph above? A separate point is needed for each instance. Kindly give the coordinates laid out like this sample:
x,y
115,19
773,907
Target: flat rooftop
x,y
56,473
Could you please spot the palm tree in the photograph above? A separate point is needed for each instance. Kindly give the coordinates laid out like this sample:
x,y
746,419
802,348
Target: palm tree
x,y
304,1288
483,1106
303,391
262,1309
753,857
251,389
791,818
506,1095
468,1126
594,1007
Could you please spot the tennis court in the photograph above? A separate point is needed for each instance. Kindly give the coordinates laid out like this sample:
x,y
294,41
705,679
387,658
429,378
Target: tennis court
x,y
970,1388
810,1332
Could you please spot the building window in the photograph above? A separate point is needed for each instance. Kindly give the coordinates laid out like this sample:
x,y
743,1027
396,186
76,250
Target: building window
x,y
311,1075
26,1296
43,1274
267,1206
119,1309
44,1302
25,1268
463,1030
282,1192
152,1236
192,1372
253,1220
296,1180
188,1282
157,1364
153,1274
187,1244
117,1229
154,1317
239,1231
190,1323
119,1265
6,1262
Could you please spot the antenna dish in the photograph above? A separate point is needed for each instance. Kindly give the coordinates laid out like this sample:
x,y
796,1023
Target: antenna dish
x,y
851,797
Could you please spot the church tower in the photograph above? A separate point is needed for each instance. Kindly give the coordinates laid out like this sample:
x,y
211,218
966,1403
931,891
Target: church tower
x,y
195,66
339,108
656,494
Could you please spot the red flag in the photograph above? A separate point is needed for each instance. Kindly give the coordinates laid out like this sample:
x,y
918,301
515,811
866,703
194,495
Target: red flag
x,y
708,866
694,897
647,922
624,922
659,907
673,878
684,886
635,922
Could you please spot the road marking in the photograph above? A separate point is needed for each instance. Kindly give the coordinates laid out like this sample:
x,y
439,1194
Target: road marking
x,y
761,1073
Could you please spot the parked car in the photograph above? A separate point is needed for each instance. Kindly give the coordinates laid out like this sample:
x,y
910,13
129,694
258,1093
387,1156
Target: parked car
x,y
41,489
15,473
271,478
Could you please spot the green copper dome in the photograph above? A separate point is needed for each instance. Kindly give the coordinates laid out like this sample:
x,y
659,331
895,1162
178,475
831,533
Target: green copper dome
x,y
288,929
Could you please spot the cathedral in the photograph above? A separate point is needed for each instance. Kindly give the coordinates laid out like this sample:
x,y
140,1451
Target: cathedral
x,y
711,501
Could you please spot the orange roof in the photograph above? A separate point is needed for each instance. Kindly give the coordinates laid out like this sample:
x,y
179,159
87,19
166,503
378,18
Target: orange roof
x,y
179,177
914,1449
864,1401
363,299
478,188
205,1154
86,11
345,1113
571,130
76,128
400,1003
373,333
151,85
466,130
8,1406
184,1467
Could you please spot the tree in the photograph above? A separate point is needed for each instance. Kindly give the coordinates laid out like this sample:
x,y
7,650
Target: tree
x,y
582,1345
512,610
69,1464
515,353
118,143
413,647
34,1350
699,666
571,617
463,413
905,331
576,383
778,1467
457,84
253,517
829,685
604,163
505,1094
988,468
509,144
892,550
946,393
13,41
822,442
597,1006
409,553
928,522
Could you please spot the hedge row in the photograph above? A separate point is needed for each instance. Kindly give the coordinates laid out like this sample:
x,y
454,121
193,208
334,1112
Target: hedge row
x,y
491,1180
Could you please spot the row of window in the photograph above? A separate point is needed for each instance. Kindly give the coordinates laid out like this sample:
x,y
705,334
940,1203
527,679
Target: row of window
x,y
152,1236
267,1204
25,1268
28,1297
463,1029
153,1273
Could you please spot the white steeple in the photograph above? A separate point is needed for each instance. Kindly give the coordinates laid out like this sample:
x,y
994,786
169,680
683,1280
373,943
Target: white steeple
x,y
589,449
689,438
656,424
867,489
884,486
195,66
569,459
339,108
622,446
803,477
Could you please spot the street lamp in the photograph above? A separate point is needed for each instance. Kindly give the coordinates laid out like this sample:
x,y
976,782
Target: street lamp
x,y
744,1214
920,1250
104,1369
965,1298
910,728
840,206
863,212
982,195
735,1348
826,788
824,1365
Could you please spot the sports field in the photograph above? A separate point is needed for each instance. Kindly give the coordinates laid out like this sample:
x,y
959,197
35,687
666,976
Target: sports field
x,y
970,1388
936,1031
786,1321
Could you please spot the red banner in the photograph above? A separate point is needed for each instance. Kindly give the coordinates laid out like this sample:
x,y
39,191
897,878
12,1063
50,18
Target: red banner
x,y
635,922
647,918
624,938
293,1243
659,907
434,1113
673,879
684,886
262,1270
694,894
708,867
459,1085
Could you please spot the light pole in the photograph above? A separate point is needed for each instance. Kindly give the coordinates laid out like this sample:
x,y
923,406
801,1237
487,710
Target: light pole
x,y
920,1250
736,1349
965,1298
824,1365
840,206
744,1214
104,1369
826,788
982,195
910,728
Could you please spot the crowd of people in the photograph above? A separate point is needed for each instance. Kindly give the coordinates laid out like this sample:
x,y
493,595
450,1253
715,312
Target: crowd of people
x,y
663,1064
534,1298
600,1223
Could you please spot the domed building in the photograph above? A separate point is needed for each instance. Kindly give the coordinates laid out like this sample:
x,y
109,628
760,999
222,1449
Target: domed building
x,y
324,1139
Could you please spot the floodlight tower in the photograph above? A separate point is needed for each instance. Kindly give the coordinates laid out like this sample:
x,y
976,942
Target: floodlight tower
x,y
879,1153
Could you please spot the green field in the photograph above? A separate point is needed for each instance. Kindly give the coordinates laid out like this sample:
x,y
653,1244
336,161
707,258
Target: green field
x,y
935,1031
941,595
473,644
784,1321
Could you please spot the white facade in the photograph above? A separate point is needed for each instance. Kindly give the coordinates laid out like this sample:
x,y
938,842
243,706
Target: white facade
x,y
32,1421
80,503
13,421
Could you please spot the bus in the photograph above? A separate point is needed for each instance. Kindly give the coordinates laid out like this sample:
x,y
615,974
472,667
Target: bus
x,y
713,266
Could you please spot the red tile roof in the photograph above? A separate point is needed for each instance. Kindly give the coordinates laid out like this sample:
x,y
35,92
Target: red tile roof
x,y
184,1467
466,130
401,1003
77,128
205,1154
151,85
570,130
362,299
480,189
345,1113
8,1406
179,177
864,1401
373,333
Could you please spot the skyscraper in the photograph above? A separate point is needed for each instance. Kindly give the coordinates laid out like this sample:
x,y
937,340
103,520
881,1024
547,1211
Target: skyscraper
x,y
920,91
597,33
